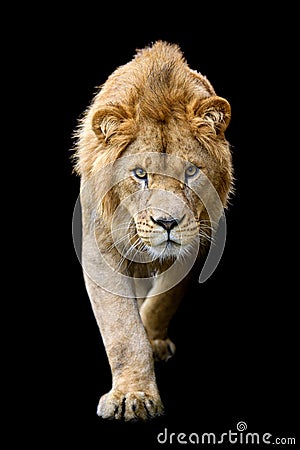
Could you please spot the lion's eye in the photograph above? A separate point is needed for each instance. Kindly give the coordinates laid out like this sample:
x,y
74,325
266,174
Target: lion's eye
x,y
191,171
140,173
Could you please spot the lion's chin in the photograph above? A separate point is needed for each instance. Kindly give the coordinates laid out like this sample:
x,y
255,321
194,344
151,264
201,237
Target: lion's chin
x,y
168,250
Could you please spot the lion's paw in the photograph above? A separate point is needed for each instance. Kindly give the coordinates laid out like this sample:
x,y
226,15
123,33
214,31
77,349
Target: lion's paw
x,y
163,349
133,406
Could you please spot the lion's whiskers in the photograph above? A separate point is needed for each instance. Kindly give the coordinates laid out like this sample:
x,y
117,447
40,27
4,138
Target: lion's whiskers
x,y
206,230
129,227
142,248
119,241
206,237
129,250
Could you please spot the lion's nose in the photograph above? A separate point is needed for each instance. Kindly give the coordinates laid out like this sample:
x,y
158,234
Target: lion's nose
x,y
167,224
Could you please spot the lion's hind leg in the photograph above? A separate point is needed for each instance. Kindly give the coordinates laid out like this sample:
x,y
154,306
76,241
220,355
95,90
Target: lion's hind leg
x,y
156,312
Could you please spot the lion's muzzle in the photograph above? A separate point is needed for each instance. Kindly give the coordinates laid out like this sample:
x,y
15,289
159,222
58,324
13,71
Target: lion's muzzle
x,y
159,231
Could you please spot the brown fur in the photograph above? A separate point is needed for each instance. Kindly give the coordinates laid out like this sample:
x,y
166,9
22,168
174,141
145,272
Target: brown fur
x,y
154,106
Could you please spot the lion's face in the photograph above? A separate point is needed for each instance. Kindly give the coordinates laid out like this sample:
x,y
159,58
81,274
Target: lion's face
x,y
161,212
165,195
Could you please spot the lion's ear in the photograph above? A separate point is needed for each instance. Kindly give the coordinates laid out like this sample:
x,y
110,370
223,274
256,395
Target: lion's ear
x,y
111,121
213,111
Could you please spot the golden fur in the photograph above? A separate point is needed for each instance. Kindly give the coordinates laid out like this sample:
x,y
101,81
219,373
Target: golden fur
x,y
149,147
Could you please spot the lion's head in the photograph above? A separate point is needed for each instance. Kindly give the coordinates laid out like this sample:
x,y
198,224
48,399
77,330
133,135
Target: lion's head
x,y
152,150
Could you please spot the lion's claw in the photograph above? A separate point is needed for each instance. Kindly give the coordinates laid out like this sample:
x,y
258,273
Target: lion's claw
x,y
137,405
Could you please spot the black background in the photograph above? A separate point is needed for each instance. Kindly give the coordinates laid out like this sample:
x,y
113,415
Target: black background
x,y
236,333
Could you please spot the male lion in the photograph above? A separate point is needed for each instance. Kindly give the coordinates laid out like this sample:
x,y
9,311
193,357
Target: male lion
x,y
156,173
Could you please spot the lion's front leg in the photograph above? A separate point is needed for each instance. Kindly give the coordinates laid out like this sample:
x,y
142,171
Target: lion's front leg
x,y
134,393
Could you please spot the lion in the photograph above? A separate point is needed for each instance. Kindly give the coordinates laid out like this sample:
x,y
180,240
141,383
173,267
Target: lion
x,y
155,176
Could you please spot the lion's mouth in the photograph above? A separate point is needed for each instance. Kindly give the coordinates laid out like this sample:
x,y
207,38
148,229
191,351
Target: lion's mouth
x,y
171,243
161,241
169,249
